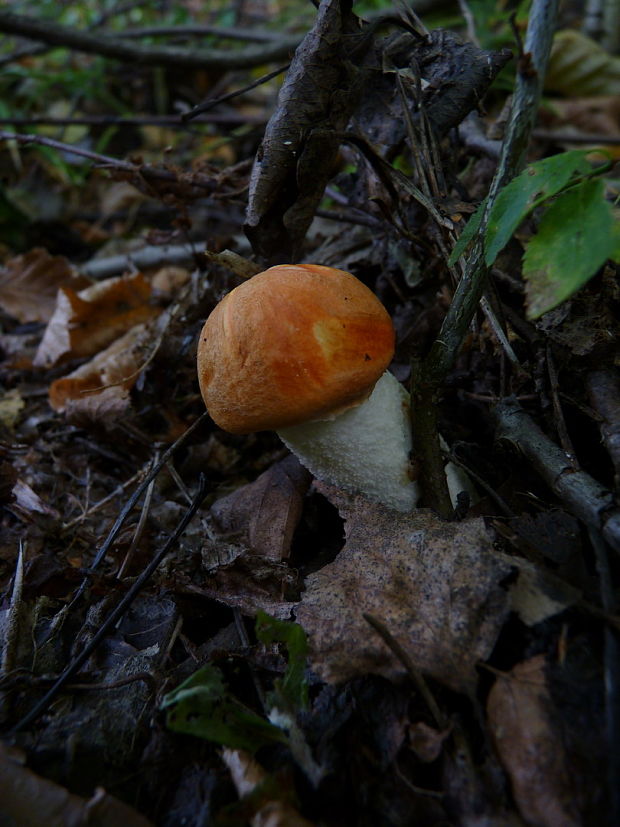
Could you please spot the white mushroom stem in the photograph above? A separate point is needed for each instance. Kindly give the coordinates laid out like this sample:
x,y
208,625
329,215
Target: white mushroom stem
x,y
366,449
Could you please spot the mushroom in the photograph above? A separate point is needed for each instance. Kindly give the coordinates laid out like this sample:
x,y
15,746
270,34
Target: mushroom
x,y
303,349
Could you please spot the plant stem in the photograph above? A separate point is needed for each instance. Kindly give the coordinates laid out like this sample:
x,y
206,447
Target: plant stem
x,y
435,368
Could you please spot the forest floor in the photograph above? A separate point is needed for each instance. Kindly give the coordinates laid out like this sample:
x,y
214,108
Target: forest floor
x,y
195,631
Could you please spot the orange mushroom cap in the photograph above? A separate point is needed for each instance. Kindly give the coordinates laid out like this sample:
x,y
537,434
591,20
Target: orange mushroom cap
x,y
296,343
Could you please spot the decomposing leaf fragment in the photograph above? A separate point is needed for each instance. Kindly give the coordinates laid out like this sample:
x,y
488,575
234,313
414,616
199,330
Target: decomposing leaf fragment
x,y
29,283
437,586
84,322
530,749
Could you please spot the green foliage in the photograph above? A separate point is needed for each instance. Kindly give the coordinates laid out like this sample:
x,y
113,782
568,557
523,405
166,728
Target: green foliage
x,y
292,688
203,706
577,232
575,237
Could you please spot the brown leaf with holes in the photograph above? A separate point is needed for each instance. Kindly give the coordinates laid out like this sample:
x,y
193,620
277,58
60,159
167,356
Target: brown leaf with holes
x,y
29,284
265,513
530,748
437,586
89,320
99,389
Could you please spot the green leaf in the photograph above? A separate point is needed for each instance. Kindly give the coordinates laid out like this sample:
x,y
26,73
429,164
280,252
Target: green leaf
x,y
293,688
539,181
576,236
467,234
203,706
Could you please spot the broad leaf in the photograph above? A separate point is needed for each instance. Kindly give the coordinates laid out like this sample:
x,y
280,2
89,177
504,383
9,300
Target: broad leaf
x,y
539,181
202,706
575,237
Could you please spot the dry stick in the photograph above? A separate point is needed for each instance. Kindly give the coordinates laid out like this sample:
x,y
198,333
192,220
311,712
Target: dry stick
x,y
586,498
114,47
133,499
428,383
390,641
114,615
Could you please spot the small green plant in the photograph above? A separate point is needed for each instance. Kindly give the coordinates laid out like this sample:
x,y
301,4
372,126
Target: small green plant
x,y
577,231
204,706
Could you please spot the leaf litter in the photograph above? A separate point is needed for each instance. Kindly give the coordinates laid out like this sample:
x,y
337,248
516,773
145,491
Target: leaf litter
x,y
483,700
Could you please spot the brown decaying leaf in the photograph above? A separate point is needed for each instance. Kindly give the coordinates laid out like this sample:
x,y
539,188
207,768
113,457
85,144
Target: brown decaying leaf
x,y
99,388
265,513
85,322
436,585
28,799
529,747
29,283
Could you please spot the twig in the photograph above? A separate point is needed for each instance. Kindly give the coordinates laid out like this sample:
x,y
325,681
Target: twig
x,y
195,30
390,641
209,104
114,615
587,499
147,257
133,499
110,46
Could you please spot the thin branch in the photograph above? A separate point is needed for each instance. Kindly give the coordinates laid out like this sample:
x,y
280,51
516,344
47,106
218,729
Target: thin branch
x,y
582,495
115,615
116,48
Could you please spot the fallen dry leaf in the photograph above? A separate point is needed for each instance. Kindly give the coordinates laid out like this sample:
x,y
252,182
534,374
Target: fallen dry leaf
x,y
85,322
28,799
437,586
529,748
265,513
99,389
29,284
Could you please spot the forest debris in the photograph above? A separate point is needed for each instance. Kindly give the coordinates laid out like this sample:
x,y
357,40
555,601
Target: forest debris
x,y
604,390
11,406
29,283
29,505
28,799
242,580
266,804
84,322
426,741
530,748
99,389
265,513
586,498
436,585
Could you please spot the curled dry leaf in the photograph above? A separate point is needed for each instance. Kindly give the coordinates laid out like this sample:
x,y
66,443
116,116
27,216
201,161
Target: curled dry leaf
x,y
265,513
529,748
89,320
436,585
99,389
29,284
